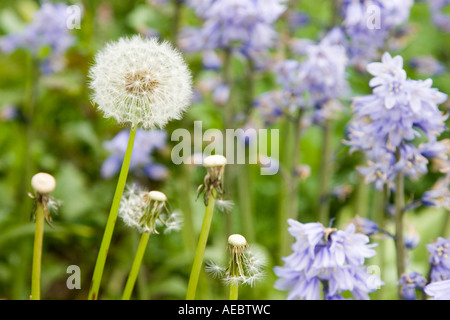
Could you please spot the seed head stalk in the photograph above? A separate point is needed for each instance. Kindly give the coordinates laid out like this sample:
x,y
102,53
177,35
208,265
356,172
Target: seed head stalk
x,y
200,251
136,266
107,236
234,291
37,253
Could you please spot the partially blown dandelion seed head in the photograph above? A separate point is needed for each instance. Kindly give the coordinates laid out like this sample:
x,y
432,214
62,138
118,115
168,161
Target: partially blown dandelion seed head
x,y
146,211
243,265
141,82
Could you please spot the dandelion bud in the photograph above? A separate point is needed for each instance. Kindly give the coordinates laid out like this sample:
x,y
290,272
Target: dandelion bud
x,y
141,82
43,183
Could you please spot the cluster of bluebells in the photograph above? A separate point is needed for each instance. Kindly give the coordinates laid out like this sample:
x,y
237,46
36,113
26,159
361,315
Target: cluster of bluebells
x,y
439,18
141,163
411,283
244,25
367,25
310,84
327,256
48,30
440,259
386,123
439,286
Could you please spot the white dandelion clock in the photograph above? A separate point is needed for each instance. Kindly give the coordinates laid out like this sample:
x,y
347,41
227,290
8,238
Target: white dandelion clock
x,y
141,82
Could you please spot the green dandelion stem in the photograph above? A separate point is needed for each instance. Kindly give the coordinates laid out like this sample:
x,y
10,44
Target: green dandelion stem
x,y
37,253
234,290
200,251
107,236
136,266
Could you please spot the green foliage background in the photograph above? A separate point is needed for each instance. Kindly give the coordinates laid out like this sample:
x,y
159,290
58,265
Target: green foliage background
x,y
66,139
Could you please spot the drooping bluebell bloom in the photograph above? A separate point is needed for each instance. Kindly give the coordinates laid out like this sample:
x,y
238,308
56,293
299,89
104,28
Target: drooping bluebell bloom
x,y
411,283
427,65
49,29
411,239
368,24
439,18
387,122
439,259
439,290
365,226
439,195
146,143
244,25
329,256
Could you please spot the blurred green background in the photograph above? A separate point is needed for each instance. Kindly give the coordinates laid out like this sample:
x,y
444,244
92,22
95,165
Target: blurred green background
x,y
65,137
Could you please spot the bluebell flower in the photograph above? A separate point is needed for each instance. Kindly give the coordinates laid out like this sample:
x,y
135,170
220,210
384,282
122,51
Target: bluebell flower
x,y
439,195
146,143
315,82
439,18
387,122
439,290
9,112
439,259
329,256
270,106
365,226
427,65
411,239
366,38
410,284
245,25
47,30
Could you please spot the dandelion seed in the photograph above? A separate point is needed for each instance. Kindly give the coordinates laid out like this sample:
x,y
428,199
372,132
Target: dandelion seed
x,y
225,206
214,270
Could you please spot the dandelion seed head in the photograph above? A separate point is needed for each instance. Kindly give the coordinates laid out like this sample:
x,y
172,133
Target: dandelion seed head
x,y
147,211
43,183
141,82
